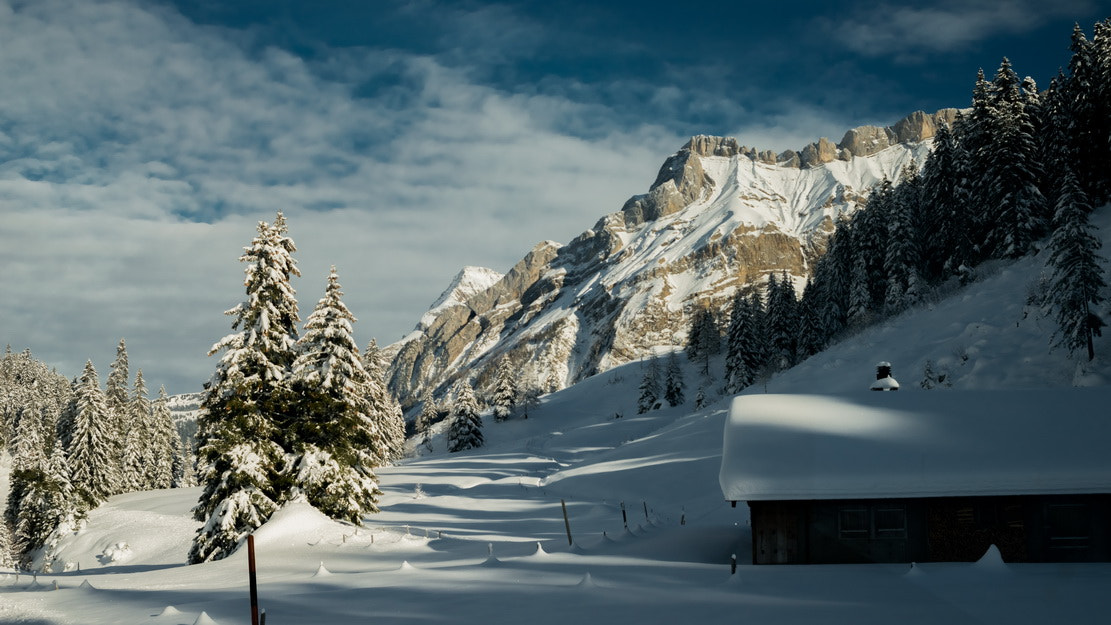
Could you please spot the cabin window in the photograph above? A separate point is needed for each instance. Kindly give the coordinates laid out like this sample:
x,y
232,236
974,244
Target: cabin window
x,y
872,521
1068,525
853,522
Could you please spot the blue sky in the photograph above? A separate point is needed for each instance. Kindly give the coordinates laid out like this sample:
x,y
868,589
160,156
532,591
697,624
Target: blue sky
x,y
141,141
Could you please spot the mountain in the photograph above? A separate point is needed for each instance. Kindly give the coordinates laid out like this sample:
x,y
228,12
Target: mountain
x,y
719,216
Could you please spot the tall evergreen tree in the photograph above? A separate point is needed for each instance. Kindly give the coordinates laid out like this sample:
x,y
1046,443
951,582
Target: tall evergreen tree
x,y
1015,203
737,372
649,387
331,452
673,382
119,414
166,462
244,405
429,414
386,411
506,394
92,456
902,262
782,321
465,430
1077,280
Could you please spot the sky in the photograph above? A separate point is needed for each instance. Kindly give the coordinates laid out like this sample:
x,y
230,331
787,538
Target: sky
x,y
141,142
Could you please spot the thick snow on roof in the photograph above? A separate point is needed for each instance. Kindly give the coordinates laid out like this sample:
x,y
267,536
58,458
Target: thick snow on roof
x,y
917,444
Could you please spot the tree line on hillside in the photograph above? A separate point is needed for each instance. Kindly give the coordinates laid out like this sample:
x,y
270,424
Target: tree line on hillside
x,y
289,416
1018,174
73,445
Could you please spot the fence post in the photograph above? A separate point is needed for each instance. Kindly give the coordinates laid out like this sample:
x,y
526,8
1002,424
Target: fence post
x,y
624,516
733,565
566,522
251,578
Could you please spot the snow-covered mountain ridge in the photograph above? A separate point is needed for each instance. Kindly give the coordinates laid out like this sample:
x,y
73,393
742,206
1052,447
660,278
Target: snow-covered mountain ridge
x,y
718,217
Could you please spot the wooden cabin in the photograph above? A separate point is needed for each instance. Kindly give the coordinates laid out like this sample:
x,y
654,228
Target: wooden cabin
x,y
923,476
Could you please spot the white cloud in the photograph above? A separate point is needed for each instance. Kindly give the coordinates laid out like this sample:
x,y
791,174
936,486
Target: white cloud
x,y
908,33
138,150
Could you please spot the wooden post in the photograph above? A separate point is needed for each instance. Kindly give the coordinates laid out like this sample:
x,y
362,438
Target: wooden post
x,y
624,516
733,565
645,510
251,577
566,522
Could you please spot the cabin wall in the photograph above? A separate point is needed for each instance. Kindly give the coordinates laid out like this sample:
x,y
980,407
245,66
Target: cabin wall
x,y
1032,528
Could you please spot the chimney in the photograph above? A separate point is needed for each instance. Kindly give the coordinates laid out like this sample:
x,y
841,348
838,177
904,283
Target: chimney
x,y
883,370
884,381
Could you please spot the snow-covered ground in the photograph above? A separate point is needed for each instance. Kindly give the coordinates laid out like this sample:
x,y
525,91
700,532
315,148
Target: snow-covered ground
x,y
479,537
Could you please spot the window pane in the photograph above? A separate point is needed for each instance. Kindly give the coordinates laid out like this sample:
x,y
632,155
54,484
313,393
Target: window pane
x,y
1068,525
853,522
891,522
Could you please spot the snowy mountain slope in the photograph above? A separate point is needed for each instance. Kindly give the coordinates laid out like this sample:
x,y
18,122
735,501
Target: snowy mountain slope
x,y
715,220
984,336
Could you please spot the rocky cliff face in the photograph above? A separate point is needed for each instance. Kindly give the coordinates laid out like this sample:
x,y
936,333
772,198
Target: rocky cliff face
x,y
718,217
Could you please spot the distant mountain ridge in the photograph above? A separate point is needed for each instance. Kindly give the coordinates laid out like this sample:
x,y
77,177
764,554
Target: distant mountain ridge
x,y
719,216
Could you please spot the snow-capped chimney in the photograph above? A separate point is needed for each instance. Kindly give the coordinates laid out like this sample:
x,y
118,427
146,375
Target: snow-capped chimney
x,y
884,381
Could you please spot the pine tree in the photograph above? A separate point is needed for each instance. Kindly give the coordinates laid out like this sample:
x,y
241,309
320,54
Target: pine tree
x,y
737,374
649,387
386,411
782,321
506,394
333,445
902,260
810,339
673,382
1011,178
465,431
140,456
1077,279
429,414
116,399
166,461
92,456
246,401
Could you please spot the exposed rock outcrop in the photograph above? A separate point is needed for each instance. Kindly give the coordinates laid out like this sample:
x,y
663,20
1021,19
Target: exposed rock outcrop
x,y
629,285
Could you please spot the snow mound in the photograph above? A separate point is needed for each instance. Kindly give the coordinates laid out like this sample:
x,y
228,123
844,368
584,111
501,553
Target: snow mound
x,y
992,560
587,581
406,567
539,553
85,585
169,611
296,521
321,571
117,552
204,619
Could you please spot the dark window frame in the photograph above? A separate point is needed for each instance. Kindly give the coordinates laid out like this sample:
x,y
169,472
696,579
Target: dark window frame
x,y
880,521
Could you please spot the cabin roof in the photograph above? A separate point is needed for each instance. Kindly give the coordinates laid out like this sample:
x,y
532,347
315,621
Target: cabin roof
x,y
917,444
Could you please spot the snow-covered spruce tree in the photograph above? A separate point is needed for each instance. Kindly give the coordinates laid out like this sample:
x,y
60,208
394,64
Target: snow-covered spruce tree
x,y
334,444
247,400
465,431
6,561
385,410
138,454
737,373
1077,280
45,511
429,414
810,338
92,454
869,244
673,382
944,209
649,398
1015,203
704,339
832,283
902,262
116,399
167,461
506,394
1087,94
782,321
